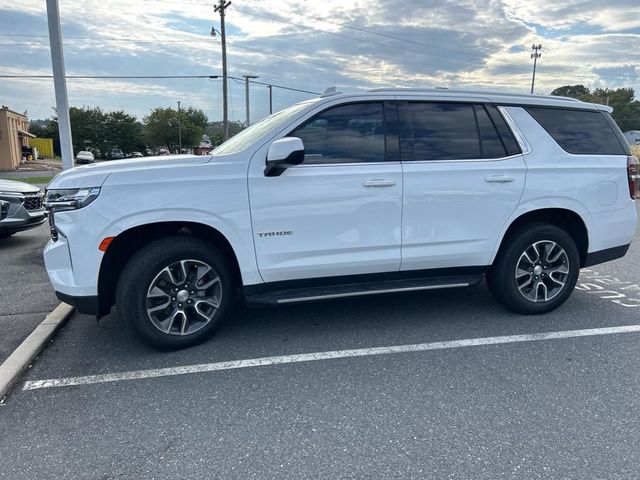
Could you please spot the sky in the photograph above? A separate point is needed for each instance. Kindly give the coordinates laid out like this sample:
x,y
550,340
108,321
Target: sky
x,y
311,45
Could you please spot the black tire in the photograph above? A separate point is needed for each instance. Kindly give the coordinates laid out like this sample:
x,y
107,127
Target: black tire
x,y
144,267
502,281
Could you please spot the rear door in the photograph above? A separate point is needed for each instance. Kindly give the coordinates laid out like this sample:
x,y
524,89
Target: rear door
x,y
463,176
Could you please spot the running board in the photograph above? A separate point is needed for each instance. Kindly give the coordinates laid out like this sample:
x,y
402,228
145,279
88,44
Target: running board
x,y
312,294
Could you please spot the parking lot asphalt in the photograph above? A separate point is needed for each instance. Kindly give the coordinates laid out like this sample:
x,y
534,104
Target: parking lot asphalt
x,y
24,287
556,408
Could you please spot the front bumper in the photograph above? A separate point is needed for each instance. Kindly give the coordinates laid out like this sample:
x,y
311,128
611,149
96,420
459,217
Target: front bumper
x,y
87,305
15,217
11,224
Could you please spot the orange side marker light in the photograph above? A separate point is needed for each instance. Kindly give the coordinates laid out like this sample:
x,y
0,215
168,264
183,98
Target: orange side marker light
x,y
104,244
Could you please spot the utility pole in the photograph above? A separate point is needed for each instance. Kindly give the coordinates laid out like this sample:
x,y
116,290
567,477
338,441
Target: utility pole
x,y
60,84
179,129
535,55
246,95
220,8
270,87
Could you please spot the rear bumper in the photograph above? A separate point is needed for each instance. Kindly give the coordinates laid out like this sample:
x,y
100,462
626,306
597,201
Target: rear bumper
x,y
86,305
606,255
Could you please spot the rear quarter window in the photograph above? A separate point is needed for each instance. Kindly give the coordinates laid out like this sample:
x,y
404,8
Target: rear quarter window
x,y
580,131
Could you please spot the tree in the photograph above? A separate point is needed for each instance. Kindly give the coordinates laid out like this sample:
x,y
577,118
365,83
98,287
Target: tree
x,y
40,128
88,128
161,127
214,130
626,109
123,131
573,91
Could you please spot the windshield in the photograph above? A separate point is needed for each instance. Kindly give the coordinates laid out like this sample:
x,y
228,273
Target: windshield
x,y
249,135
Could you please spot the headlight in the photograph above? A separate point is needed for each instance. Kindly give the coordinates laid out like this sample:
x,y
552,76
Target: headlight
x,y
70,198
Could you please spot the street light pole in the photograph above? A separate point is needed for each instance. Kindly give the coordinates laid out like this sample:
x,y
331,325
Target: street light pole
x,y
270,98
60,84
246,95
179,129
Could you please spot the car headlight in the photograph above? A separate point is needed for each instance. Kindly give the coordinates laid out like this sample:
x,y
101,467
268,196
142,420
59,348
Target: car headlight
x,y
70,198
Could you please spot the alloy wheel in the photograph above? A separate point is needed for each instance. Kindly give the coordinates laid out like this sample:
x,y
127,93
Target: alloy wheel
x,y
184,297
542,271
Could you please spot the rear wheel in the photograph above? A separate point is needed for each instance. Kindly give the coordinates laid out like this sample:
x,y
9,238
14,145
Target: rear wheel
x,y
175,291
537,269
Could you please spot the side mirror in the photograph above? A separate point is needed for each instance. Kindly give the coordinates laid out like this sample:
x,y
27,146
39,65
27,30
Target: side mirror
x,y
284,153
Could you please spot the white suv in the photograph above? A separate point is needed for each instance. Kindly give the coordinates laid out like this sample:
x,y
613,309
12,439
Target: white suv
x,y
344,195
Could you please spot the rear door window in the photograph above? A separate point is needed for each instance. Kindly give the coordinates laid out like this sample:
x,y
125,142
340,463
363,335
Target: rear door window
x,y
451,131
580,131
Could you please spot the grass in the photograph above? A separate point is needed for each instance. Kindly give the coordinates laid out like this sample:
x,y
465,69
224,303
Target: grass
x,y
32,180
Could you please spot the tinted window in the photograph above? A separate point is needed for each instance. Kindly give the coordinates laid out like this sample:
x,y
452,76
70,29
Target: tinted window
x,y
345,134
490,142
438,131
510,143
579,131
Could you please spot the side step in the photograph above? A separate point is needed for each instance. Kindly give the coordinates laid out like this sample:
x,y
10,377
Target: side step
x,y
311,294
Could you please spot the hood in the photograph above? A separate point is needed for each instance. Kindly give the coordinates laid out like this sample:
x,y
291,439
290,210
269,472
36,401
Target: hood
x,y
17,187
95,174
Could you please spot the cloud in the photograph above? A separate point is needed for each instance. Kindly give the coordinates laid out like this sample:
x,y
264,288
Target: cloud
x,y
313,45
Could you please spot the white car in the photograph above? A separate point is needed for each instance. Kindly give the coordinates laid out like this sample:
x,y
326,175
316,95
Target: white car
x,y
85,157
345,195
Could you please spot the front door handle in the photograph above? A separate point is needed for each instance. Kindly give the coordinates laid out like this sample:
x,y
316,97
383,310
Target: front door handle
x,y
379,183
498,179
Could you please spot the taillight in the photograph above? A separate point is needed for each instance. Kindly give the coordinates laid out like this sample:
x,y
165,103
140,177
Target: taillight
x,y
633,170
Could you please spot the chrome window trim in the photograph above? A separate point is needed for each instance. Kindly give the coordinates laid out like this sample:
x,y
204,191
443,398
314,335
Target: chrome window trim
x,y
499,159
524,145
350,164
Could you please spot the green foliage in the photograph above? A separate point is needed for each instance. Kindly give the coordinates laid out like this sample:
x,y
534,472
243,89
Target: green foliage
x,y
573,91
92,128
626,109
214,130
161,127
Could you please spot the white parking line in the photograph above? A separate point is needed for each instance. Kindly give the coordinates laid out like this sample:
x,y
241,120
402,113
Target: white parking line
x,y
310,357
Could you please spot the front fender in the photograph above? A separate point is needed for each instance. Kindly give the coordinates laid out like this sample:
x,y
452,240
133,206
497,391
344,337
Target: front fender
x,y
233,233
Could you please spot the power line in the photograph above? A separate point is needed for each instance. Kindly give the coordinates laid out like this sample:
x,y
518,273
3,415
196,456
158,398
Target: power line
x,y
112,76
144,77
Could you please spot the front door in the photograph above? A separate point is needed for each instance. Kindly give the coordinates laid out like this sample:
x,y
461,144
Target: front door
x,y
339,212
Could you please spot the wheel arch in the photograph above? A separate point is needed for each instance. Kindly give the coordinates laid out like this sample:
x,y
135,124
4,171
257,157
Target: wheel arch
x,y
129,241
563,218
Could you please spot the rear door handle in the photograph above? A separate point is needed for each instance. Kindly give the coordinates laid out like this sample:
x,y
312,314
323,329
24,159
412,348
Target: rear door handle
x,y
379,183
498,179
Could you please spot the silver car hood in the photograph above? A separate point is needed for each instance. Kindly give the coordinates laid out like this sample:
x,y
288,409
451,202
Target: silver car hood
x,y
17,187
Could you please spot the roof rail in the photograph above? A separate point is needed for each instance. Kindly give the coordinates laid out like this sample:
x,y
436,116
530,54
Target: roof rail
x,y
472,92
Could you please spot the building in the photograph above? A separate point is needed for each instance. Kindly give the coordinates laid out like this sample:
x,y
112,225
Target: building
x,y
14,134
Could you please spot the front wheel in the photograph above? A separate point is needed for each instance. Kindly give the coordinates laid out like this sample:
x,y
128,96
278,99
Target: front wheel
x,y
175,291
536,271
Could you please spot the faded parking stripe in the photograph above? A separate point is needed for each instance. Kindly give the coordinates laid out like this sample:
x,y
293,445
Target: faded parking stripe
x,y
330,355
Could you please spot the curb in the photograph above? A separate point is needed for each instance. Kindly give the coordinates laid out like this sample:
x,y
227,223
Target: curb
x,y
14,366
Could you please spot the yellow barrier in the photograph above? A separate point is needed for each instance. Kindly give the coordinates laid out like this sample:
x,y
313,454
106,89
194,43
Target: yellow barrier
x,y
43,145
